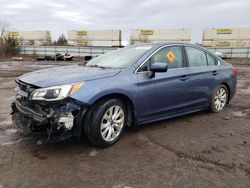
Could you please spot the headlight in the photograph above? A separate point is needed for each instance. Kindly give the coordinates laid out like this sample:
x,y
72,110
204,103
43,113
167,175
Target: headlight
x,y
55,93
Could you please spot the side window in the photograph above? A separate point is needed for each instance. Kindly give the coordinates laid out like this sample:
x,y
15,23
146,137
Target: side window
x,y
210,60
144,67
170,55
196,57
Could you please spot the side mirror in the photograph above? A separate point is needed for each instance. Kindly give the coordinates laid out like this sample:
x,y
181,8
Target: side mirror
x,y
157,67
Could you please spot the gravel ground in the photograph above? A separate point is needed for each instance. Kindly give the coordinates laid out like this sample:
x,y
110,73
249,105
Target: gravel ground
x,y
198,150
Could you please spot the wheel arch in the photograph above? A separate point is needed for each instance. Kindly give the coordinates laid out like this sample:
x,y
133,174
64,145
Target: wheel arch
x,y
228,90
124,98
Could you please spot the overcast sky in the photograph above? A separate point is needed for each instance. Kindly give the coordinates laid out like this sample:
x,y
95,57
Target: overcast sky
x,y
60,16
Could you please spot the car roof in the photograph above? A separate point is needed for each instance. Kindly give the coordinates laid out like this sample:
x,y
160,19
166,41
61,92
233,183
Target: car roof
x,y
159,44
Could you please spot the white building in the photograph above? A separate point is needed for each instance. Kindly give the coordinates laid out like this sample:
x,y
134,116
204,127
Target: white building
x,y
153,36
94,38
226,37
30,37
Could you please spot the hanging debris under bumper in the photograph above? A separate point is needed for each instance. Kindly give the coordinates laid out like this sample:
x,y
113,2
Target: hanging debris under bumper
x,y
58,120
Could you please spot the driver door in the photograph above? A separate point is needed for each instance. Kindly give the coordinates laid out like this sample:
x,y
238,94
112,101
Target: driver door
x,y
167,92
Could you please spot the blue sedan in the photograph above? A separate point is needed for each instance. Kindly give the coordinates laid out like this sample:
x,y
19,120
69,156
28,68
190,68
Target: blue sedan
x,y
134,85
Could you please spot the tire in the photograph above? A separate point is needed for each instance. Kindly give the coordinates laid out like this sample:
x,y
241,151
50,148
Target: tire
x,y
219,99
101,126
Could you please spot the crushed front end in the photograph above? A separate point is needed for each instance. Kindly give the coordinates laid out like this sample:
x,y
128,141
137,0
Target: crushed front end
x,y
57,119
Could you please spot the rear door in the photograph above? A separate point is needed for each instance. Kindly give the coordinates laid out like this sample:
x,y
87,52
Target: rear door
x,y
204,76
167,92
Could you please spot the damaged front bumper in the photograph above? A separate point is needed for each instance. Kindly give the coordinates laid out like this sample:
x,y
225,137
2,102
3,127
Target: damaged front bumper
x,y
59,120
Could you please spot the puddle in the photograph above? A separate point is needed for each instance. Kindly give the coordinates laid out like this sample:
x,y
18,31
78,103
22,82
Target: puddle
x,y
121,186
6,122
244,91
15,141
239,114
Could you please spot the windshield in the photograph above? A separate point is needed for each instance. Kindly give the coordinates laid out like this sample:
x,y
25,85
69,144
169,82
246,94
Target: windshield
x,y
122,58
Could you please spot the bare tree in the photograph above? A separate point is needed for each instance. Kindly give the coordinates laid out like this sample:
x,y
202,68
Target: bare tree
x,y
31,42
61,41
3,26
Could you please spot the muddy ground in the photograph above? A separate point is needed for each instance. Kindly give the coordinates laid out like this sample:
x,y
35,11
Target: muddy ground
x,y
198,150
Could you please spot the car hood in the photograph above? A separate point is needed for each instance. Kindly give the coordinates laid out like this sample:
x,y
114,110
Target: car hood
x,y
65,75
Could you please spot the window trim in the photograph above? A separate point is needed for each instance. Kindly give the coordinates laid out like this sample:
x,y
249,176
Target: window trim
x,y
184,63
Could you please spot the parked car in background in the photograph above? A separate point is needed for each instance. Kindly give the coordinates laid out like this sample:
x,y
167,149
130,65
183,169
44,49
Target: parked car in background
x,y
130,86
66,57
221,55
58,57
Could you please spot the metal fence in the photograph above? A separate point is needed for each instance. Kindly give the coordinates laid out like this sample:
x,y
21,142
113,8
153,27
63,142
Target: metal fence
x,y
240,52
243,52
73,50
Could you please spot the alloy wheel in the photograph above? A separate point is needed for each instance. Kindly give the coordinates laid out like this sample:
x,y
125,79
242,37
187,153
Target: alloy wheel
x,y
220,99
112,123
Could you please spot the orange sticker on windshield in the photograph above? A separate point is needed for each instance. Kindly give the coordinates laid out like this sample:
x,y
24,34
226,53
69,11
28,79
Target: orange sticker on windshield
x,y
171,57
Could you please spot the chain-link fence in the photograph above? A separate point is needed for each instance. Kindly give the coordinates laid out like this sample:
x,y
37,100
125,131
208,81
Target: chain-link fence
x,y
73,50
240,52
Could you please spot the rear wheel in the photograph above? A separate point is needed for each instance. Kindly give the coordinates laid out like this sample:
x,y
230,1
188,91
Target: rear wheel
x,y
219,99
105,122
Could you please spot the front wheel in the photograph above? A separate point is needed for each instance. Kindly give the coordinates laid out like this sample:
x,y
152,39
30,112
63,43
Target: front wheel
x,y
219,99
105,122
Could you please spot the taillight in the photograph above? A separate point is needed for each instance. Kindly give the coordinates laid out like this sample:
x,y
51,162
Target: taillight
x,y
234,71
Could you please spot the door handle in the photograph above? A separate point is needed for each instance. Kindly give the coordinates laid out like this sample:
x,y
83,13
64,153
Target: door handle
x,y
183,78
214,73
